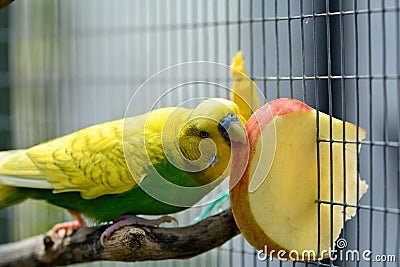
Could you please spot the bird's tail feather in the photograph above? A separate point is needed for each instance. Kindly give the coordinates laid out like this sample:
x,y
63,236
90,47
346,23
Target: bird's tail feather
x,y
18,170
10,195
17,163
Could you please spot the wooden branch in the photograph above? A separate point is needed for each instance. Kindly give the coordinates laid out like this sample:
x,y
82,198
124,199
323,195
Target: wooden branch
x,y
4,3
140,243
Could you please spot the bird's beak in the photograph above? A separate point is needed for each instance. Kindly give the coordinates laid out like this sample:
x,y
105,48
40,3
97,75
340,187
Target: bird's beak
x,y
232,129
237,133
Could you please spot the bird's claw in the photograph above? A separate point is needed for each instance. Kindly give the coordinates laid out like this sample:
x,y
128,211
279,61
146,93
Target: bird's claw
x,y
68,226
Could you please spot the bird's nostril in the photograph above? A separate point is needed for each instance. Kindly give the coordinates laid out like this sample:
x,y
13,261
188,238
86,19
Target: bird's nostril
x,y
232,117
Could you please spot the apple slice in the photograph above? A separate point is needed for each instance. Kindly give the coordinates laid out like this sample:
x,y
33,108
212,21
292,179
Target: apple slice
x,y
275,199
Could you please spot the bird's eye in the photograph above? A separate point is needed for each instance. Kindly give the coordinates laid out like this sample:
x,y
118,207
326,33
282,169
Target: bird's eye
x,y
204,134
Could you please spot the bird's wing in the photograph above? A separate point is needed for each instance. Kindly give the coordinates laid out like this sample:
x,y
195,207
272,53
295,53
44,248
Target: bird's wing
x,y
91,160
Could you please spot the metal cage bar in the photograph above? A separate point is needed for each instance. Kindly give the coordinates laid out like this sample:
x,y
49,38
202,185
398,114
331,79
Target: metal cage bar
x,y
341,57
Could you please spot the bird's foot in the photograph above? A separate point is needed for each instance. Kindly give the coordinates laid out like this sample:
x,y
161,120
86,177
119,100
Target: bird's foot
x,y
125,220
72,226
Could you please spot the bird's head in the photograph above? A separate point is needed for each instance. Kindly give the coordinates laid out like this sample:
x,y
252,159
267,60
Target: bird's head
x,y
206,138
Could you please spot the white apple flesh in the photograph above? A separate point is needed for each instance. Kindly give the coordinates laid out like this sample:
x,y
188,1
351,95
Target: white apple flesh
x,y
275,201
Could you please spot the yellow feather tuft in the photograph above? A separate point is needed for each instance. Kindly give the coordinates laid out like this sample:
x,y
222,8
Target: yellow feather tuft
x,y
244,90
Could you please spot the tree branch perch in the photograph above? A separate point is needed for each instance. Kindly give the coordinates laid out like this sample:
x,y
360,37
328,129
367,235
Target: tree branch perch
x,y
131,243
4,3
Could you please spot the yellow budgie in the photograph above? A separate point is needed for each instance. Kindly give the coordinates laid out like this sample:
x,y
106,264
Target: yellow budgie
x,y
97,171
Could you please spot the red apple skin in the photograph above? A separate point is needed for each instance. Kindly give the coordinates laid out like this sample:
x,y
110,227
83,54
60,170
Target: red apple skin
x,y
239,194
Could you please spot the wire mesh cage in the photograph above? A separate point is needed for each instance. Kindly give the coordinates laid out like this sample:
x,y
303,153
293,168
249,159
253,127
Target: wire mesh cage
x,y
65,65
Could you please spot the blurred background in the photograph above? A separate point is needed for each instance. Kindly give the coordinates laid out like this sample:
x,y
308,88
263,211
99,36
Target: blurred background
x,y
65,65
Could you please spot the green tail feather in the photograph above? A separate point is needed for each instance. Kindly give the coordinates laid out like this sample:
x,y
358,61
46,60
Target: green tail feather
x,y
10,195
216,204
